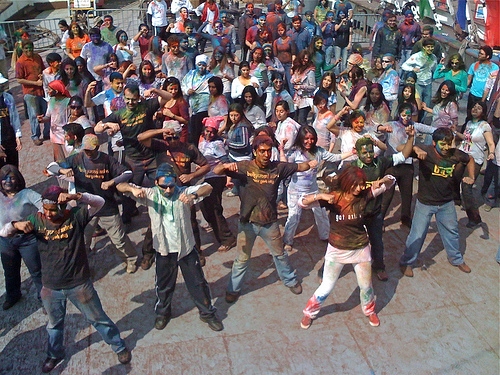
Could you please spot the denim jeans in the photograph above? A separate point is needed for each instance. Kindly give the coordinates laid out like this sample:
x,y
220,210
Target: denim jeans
x,y
36,105
447,224
270,233
331,275
295,212
426,97
329,54
12,250
85,299
340,53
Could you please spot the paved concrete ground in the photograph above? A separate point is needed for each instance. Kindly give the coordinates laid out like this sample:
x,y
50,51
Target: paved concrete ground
x,y
442,321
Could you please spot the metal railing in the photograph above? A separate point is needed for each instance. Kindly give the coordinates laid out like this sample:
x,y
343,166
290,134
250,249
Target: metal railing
x,y
45,32
363,26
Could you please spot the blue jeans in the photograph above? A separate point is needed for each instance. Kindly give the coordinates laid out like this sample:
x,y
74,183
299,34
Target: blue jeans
x,y
447,224
12,250
340,53
426,97
36,105
329,54
85,299
247,234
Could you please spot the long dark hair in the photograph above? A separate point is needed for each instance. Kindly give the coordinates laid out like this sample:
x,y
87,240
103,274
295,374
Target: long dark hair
x,y
6,170
173,81
298,66
81,33
255,97
452,97
86,74
77,78
145,79
237,107
411,99
299,141
369,102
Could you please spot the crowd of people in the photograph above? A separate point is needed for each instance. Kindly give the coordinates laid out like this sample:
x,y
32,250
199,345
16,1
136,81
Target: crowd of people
x,y
264,125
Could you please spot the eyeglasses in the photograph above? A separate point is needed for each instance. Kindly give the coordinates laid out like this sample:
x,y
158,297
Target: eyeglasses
x,y
172,137
170,186
75,106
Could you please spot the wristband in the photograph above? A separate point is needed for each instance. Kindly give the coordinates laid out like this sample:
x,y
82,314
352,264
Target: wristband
x,y
195,195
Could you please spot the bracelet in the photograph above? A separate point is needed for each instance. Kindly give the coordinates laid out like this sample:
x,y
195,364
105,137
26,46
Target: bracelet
x,y
195,195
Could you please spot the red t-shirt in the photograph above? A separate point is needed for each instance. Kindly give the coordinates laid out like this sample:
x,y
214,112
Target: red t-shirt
x,y
30,69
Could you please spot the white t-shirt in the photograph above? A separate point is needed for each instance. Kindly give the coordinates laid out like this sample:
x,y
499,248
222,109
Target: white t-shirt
x,y
158,11
474,143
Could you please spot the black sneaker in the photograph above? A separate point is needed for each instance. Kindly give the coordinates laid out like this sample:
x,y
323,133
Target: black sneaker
x,y
124,356
213,322
161,322
50,364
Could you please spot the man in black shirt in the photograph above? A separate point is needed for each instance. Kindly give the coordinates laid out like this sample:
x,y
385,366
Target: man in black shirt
x,y
260,179
435,197
97,173
65,269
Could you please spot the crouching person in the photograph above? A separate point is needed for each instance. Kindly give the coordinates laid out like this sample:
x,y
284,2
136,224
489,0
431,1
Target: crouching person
x,y
65,269
169,207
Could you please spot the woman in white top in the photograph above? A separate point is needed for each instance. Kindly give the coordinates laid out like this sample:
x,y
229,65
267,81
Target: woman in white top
x,y
476,139
123,49
251,105
244,79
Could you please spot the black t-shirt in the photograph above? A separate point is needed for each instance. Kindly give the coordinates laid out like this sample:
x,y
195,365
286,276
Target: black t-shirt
x,y
62,249
179,157
342,34
436,182
89,174
373,172
133,123
347,219
259,190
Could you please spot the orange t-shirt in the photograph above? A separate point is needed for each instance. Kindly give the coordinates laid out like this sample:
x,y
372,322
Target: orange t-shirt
x,y
76,44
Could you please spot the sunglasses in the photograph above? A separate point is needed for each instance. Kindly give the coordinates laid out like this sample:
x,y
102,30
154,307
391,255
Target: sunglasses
x,y
170,186
386,61
454,63
172,137
75,106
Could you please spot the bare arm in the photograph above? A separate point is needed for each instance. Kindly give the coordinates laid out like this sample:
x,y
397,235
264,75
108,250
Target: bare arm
x,y
332,125
145,137
307,165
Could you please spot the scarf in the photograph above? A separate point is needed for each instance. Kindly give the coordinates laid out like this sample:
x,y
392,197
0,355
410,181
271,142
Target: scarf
x,y
213,7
